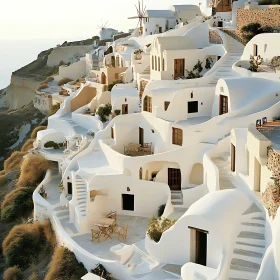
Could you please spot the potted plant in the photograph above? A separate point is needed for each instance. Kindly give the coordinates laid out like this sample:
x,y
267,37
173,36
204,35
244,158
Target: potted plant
x,y
138,54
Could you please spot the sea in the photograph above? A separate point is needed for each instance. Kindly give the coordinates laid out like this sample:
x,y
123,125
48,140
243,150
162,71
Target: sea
x,y
15,54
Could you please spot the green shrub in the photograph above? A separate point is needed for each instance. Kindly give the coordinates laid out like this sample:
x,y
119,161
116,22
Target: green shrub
x,y
161,210
16,203
114,83
13,273
117,112
252,29
156,227
24,243
64,81
104,112
51,144
100,270
64,265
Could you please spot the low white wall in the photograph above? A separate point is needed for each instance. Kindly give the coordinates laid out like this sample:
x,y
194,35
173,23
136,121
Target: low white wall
x,y
73,71
190,196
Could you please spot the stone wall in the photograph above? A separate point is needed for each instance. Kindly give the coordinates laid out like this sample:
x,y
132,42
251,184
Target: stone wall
x,y
42,101
143,84
267,17
271,196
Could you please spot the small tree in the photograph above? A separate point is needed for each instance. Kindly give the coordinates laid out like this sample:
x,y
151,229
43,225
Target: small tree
x,y
104,111
208,63
275,63
198,67
251,30
255,62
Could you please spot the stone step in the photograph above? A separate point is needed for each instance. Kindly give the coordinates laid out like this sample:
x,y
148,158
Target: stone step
x,y
252,209
259,244
251,235
177,202
247,253
256,248
253,224
243,265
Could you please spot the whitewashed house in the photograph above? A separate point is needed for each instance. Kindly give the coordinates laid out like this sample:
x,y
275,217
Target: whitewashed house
x,y
186,12
159,21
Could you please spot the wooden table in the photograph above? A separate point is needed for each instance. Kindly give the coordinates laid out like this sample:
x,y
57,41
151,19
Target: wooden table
x,y
104,230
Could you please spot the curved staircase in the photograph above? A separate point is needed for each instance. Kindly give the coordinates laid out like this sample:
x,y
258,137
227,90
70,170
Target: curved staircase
x,y
81,190
250,245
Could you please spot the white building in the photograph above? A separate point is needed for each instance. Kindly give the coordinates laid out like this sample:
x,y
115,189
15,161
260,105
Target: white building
x,y
107,33
159,21
186,12
190,144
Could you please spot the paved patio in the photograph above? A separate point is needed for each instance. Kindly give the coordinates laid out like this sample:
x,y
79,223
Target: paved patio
x,y
53,191
137,227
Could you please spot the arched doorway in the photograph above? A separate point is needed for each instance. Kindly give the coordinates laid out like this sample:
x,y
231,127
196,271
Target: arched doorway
x,y
196,176
103,78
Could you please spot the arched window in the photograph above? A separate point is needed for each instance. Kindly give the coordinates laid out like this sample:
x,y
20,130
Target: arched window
x,y
162,65
159,64
153,64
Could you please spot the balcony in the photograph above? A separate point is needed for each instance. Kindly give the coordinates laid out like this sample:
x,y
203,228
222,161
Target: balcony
x,y
138,150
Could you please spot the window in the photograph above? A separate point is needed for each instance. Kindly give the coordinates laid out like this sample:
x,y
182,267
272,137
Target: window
x,y
177,136
140,173
128,202
153,63
112,132
116,76
166,105
159,64
162,65
265,47
192,107
148,104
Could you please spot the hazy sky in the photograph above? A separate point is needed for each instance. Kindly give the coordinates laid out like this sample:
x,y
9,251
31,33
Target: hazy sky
x,y
33,19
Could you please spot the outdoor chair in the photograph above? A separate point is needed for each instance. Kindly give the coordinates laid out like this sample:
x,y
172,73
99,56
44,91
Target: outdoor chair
x,y
122,232
95,235
258,123
264,120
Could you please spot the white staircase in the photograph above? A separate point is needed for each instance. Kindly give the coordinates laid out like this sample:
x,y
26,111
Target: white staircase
x,y
234,53
176,198
147,71
250,245
225,176
81,190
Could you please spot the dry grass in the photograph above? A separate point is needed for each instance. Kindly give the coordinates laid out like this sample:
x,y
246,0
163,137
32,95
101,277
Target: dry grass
x,y
33,171
49,79
3,180
35,130
13,273
16,203
49,234
33,276
64,265
24,243
42,86
64,81
27,145
14,161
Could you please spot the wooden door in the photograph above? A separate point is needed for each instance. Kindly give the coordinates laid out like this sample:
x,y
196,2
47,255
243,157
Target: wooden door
x,y
223,104
179,68
103,79
201,248
125,109
141,136
174,179
232,158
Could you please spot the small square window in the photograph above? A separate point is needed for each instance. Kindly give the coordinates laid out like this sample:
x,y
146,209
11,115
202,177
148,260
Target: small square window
x,y
192,107
128,202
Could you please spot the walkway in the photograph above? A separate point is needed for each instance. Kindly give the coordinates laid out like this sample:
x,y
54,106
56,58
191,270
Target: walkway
x,y
225,176
234,53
